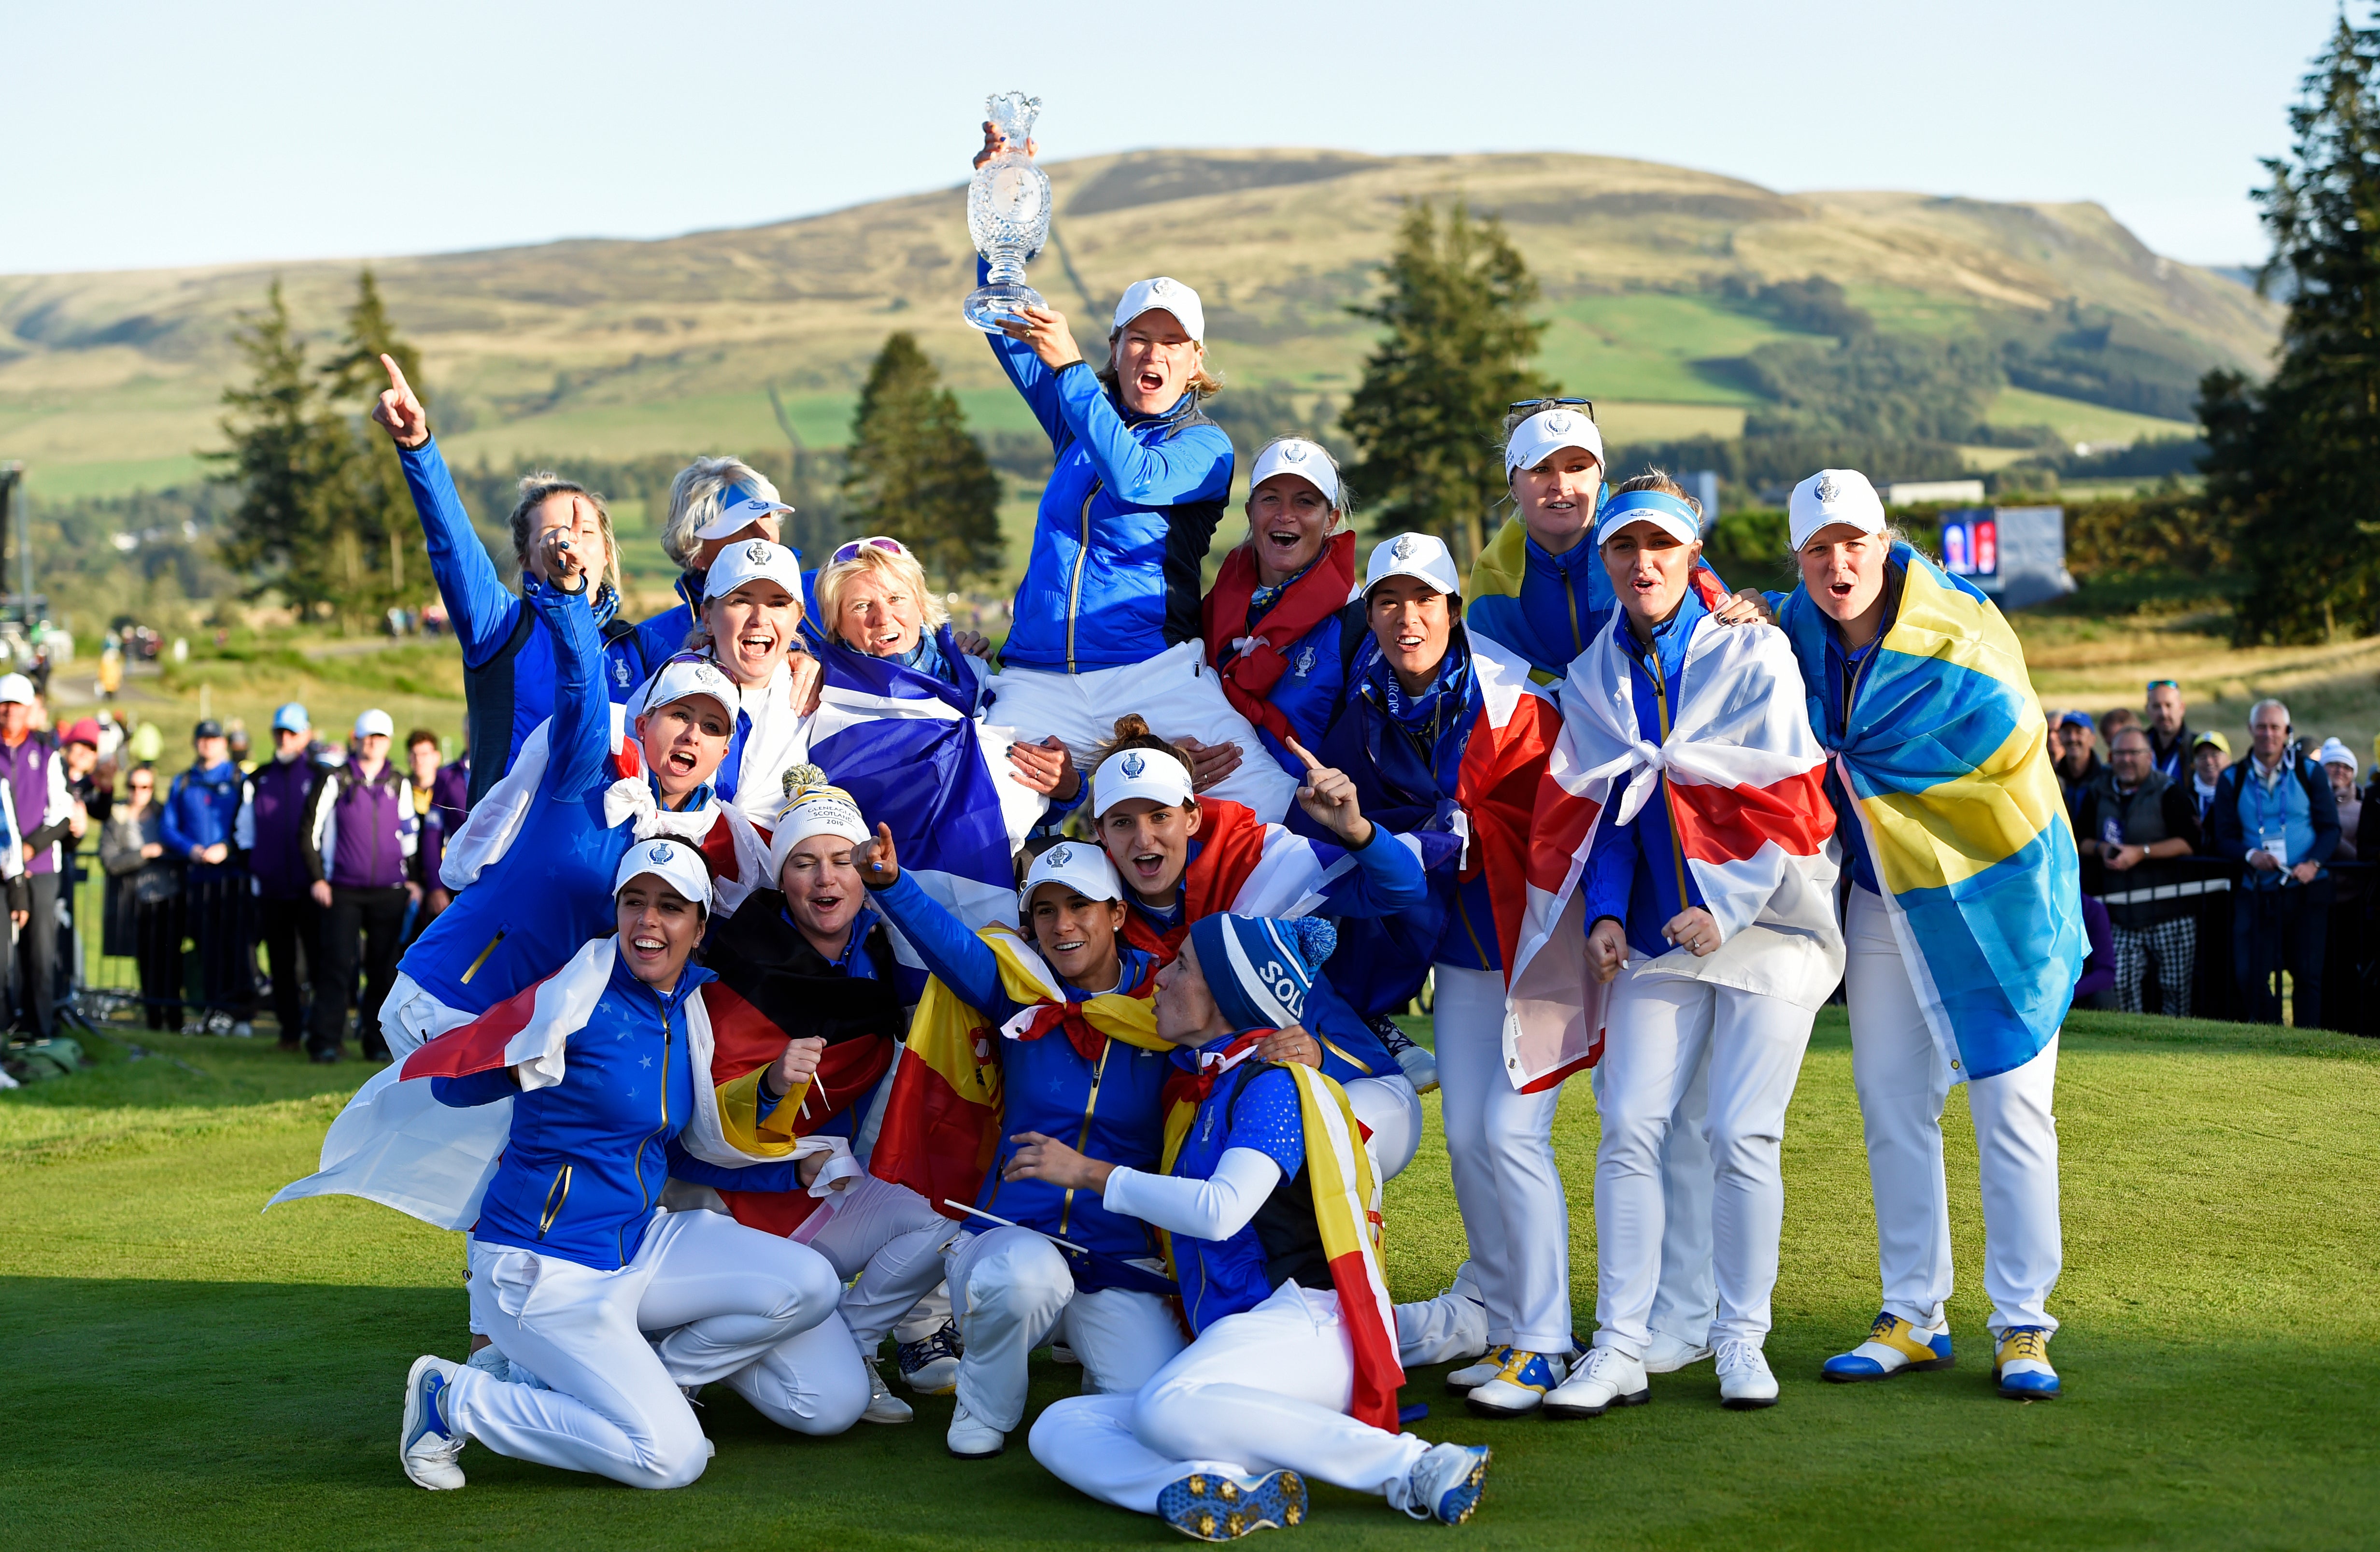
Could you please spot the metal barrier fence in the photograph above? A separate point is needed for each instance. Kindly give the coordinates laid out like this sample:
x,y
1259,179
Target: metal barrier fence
x,y
188,957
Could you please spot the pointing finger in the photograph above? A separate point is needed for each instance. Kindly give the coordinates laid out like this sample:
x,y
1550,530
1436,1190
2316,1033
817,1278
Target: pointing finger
x,y
1299,750
397,376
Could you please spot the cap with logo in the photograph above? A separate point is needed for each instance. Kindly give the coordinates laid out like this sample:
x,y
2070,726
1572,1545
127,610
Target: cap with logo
x,y
1080,867
375,721
1548,433
752,561
2205,739
2082,720
740,507
1420,555
1298,456
290,717
1163,293
1832,496
1130,773
207,728
16,688
676,863
1659,508
686,674
814,809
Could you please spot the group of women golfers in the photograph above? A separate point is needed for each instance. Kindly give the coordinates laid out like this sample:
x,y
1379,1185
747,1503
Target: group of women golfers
x,y
734,1058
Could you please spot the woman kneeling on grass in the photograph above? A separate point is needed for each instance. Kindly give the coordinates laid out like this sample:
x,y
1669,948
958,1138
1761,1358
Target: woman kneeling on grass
x,y
616,1304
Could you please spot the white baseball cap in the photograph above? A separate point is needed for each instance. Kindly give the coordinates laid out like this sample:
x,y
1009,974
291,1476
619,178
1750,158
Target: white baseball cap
x,y
1420,555
749,561
1298,456
16,688
1548,433
1130,773
375,721
1832,496
678,863
1172,296
740,507
682,677
1081,867
818,809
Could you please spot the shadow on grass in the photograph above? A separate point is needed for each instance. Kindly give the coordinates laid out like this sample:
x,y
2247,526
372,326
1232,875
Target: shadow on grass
x,y
265,1415
141,1068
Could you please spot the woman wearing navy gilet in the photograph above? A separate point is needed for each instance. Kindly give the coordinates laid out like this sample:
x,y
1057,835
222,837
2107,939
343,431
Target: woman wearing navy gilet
x,y
616,1305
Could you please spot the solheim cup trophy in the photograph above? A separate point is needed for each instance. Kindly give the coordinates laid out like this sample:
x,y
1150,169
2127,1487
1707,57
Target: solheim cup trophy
x,y
1008,214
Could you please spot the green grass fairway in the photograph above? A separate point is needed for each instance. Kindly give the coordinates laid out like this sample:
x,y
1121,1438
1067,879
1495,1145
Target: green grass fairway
x,y
182,1372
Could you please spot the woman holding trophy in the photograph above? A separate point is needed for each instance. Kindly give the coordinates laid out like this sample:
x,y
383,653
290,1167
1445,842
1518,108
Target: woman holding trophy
x,y
1108,615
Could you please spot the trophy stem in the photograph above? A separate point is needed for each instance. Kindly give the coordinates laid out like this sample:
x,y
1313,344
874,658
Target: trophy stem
x,y
1005,266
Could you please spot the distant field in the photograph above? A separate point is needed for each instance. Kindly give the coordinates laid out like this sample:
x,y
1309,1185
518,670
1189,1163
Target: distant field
x,y
2076,421
1645,346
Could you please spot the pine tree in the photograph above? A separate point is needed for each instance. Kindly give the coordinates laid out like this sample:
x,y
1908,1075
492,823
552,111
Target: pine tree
x,y
915,473
289,458
379,552
1426,418
2290,464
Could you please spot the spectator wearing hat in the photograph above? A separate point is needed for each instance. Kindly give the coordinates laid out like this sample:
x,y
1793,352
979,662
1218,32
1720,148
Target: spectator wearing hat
x,y
2210,753
439,796
2339,763
2274,813
2170,739
36,778
2134,824
2076,749
90,794
359,838
200,825
272,830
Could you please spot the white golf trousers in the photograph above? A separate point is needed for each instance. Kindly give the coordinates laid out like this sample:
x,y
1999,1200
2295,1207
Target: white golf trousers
x,y
1263,1391
1499,1142
888,1238
705,1299
1391,1112
1902,1082
1174,691
1663,1032
1011,1292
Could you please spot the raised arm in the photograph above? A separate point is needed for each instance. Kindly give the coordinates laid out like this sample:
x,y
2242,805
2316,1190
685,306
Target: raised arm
x,y
483,609
1035,382
1194,464
579,738
962,961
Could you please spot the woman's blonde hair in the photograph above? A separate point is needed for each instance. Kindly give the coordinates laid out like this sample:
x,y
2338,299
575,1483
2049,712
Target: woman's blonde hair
x,y
899,566
536,489
1339,511
694,500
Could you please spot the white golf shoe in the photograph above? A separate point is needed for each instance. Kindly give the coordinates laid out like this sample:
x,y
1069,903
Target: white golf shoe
x,y
1608,1378
1745,1380
1444,1484
882,1405
1667,1354
971,1440
1464,1381
427,1443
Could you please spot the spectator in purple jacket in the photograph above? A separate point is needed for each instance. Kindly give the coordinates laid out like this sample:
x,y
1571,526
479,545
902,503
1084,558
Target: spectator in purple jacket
x,y
438,809
272,829
359,840
37,781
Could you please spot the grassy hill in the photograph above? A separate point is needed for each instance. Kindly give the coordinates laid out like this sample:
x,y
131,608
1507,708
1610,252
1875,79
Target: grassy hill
x,y
109,381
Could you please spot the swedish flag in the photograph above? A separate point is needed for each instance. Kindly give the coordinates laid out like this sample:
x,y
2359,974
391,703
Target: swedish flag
x,y
1944,752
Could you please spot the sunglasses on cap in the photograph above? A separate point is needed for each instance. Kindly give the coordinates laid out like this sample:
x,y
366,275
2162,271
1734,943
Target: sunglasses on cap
x,y
2164,683
1530,407
851,551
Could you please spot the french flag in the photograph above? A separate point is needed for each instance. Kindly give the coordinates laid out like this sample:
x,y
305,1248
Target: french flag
x,y
1745,780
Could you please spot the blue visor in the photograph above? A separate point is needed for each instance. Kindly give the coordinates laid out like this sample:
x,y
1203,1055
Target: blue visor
x,y
1648,506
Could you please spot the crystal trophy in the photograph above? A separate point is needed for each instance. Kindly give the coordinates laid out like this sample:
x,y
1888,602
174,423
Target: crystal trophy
x,y
1008,214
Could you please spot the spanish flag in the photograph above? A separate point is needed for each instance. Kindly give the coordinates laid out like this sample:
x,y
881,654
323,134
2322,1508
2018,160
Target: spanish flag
x,y
941,1125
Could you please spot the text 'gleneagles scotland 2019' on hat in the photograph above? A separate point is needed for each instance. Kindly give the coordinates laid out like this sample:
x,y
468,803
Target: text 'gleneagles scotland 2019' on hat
x,y
1298,456
739,507
1080,867
814,810
1831,497
676,863
1418,555
1167,293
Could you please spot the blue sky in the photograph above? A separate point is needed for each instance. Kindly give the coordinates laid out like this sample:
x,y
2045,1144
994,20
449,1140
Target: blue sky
x,y
136,135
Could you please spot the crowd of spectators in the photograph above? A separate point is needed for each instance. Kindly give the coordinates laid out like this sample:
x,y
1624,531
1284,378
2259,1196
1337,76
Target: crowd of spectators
x,y
2234,888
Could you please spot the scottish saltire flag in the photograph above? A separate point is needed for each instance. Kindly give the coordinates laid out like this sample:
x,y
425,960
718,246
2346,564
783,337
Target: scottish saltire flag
x,y
907,747
1492,602
1745,780
1946,762
394,1143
